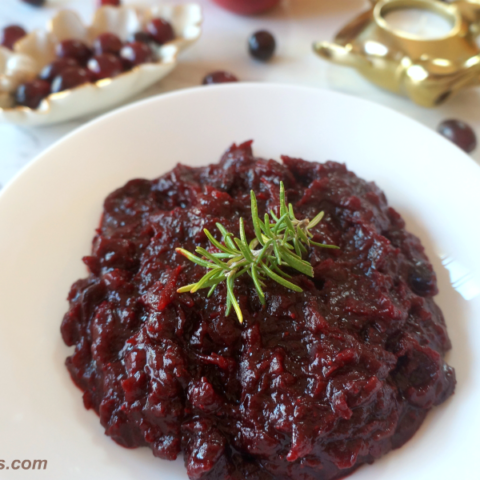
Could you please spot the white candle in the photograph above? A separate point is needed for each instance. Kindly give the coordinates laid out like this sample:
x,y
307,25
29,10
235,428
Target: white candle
x,y
425,24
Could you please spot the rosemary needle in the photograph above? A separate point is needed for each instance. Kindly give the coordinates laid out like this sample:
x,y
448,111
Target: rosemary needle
x,y
280,241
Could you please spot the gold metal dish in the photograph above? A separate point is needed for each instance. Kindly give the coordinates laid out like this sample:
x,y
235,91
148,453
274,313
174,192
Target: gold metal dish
x,y
427,71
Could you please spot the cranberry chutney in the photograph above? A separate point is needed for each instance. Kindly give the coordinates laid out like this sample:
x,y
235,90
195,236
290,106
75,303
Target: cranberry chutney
x,y
312,385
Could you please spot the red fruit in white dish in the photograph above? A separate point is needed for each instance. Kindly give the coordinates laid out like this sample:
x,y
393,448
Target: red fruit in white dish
x,y
32,93
143,37
107,43
247,7
136,53
10,35
56,68
74,49
160,30
105,66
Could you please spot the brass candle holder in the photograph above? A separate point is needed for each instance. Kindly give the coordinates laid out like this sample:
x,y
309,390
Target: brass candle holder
x,y
427,71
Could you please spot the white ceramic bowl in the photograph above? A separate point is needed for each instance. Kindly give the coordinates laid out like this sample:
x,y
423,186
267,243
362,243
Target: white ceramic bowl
x,y
37,49
48,217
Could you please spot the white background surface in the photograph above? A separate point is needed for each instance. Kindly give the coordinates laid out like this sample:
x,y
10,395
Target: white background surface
x,y
296,24
47,226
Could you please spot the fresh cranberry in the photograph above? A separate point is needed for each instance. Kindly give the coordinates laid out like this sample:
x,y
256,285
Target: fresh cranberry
x,y
136,53
422,280
74,49
459,133
70,78
35,3
32,93
262,45
56,67
107,43
160,30
219,77
105,66
143,37
113,3
10,35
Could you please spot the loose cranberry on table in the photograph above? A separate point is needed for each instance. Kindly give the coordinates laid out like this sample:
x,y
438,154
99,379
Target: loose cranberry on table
x,y
35,3
10,35
70,78
105,66
247,7
136,53
160,30
459,133
74,49
56,67
32,93
107,43
261,45
219,77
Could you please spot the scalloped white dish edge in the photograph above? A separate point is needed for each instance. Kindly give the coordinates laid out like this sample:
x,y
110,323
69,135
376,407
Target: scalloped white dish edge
x,y
47,226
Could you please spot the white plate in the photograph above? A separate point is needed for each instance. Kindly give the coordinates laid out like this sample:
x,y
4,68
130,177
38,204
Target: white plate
x,y
48,215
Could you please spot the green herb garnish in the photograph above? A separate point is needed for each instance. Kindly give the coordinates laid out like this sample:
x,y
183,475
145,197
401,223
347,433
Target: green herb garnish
x,y
279,242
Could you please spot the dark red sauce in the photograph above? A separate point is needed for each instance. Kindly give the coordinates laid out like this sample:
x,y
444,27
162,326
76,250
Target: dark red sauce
x,y
311,386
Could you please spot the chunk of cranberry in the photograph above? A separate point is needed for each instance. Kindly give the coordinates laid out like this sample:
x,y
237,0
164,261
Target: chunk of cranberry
x,y
35,3
143,37
422,280
105,66
56,67
70,78
219,77
160,30
261,45
113,3
459,133
136,53
32,93
74,49
107,43
10,35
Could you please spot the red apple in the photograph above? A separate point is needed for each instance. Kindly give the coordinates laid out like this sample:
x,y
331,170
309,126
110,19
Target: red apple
x,y
247,7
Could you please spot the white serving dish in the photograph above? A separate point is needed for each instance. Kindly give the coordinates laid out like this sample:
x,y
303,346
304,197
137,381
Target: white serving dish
x,y
49,213
37,49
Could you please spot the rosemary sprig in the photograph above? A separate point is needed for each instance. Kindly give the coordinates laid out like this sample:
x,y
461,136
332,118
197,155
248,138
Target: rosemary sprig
x,y
280,241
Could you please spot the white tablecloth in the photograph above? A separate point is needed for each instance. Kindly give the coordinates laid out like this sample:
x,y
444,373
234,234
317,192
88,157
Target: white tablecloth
x,y
296,24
